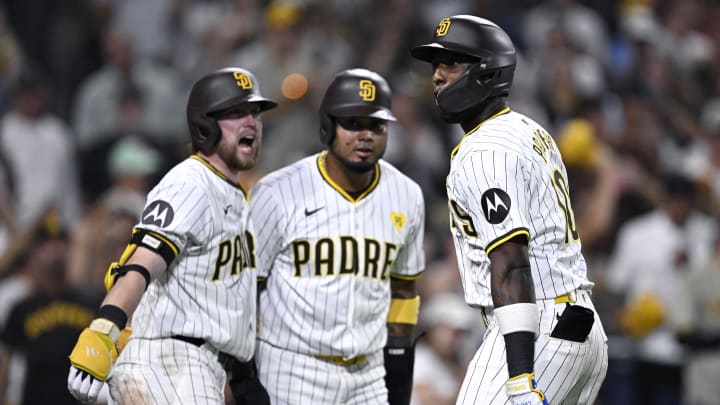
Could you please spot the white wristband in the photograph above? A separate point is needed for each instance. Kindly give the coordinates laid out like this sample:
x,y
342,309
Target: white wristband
x,y
522,317
102,325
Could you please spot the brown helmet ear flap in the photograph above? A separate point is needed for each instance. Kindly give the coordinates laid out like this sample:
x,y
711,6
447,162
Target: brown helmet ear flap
x,y
327,129
205,132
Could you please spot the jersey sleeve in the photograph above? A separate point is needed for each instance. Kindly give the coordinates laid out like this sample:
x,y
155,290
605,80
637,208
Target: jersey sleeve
x,y
179,213
410,262
494,190
267,218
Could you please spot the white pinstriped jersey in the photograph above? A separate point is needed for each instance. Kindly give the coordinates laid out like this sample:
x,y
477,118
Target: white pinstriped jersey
x,y
209,289
327,257
507,179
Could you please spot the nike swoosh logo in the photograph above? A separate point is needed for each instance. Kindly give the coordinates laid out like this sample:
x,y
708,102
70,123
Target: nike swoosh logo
x,y
310,212
227,208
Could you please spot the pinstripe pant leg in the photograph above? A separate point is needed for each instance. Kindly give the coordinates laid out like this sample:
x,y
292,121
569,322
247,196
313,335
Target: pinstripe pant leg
x,y
166,372
486,375
569,372
292,378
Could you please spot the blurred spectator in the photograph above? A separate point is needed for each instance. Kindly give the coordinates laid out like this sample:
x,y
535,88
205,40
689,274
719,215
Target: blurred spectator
x,y
414,145
43,326
62,37
582,25
284,48
8,222
128,94
210,30
593,174
11,60
148,25
440,361
102,232
696,317
653,253
40,154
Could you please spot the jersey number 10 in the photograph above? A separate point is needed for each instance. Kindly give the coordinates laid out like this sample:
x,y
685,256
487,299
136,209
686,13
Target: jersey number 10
x,y
563,195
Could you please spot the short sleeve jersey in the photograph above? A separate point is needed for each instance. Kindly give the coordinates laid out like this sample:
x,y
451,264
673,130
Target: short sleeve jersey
x,y
327,257
507,179
209,289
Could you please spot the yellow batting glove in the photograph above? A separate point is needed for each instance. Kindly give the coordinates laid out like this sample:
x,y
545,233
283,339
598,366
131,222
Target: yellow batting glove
x,y
91,359
522,390
123,338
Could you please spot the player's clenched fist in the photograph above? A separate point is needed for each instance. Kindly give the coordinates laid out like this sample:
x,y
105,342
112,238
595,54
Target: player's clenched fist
x,y
523,390
91,359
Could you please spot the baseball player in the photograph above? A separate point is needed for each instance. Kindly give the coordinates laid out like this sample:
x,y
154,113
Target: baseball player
x,y
187,278
514,231
339,246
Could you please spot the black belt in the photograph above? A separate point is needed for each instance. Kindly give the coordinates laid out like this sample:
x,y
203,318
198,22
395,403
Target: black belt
x,y
226,360
192,340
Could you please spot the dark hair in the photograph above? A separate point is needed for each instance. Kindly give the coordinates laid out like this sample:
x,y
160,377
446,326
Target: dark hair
x,y
678,185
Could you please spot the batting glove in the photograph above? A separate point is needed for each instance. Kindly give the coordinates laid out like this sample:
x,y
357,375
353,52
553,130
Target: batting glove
x,y
91,359
522,390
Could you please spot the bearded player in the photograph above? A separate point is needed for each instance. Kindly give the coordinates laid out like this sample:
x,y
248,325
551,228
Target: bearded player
x,y
187,278
339,246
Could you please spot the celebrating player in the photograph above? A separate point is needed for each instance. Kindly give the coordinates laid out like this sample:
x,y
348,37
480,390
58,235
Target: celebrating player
x,y
339,245
187,277
514,231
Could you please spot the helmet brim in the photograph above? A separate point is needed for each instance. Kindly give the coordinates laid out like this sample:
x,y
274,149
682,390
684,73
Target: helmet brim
x,y
427,52
372,112
263,103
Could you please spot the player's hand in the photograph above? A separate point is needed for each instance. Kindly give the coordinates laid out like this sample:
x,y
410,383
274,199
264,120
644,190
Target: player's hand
x,y
91,359
523,390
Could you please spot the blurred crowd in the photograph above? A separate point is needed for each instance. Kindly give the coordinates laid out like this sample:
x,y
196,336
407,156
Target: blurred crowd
x,y
92,112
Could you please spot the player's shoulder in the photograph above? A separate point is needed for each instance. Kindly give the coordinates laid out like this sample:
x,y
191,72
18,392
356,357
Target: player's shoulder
x,y
391,173
509,125
188,171
289,174
508,133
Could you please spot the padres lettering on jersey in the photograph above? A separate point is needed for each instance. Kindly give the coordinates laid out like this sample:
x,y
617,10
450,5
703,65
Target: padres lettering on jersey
x,y
331,256
209,289
235,255
327,258
506,180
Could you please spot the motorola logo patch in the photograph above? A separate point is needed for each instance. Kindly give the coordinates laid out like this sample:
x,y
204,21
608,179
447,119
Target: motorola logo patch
x,y
158,213
495,205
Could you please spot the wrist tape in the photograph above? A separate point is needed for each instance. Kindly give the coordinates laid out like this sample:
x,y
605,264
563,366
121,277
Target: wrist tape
x,y
521,317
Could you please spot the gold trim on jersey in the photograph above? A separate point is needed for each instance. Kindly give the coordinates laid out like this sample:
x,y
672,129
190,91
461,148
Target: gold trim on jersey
x,y
323,172
222,176
499,241
404,277
499,113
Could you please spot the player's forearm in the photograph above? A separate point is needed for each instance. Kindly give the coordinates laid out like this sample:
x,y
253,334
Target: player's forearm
x,y
129,289
400,334
513,294
402,293
511,281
